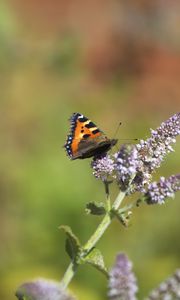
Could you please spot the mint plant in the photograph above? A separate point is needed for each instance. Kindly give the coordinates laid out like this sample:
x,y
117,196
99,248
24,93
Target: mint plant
x,y
131,168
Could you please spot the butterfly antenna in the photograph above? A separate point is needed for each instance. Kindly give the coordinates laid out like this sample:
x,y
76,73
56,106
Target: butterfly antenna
x,y
116,132
117,129
136,139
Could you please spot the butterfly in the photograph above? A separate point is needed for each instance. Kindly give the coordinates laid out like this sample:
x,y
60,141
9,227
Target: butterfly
x,y
86,139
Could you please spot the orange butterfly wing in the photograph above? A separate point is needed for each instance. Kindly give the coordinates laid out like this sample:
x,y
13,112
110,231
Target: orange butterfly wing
x,y
85,139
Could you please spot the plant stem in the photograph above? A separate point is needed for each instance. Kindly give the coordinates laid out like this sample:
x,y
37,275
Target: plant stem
x,y
68,275
106,221
108,200
119,200
98,233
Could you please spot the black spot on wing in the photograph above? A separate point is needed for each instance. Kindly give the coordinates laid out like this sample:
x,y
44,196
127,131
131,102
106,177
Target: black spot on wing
x,y
90,125
85,136
82,119
95,131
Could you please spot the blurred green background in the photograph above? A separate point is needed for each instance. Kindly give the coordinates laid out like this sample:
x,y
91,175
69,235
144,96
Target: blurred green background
x,y
112,61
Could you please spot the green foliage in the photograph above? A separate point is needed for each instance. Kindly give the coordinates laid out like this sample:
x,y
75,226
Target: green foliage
x,y
95,208
73,247
95,259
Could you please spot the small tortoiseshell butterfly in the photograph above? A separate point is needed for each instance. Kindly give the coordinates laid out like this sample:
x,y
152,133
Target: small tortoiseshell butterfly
x,y
85,139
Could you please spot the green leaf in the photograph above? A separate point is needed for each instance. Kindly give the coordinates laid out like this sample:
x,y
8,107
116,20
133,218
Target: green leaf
x,y
95,208
73,246
95,259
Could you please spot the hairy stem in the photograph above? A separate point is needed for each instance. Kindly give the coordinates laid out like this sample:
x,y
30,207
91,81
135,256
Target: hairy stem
x,y
106,221
108,201
68,275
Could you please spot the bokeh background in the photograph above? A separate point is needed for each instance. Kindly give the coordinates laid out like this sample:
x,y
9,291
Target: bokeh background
x,y
113,61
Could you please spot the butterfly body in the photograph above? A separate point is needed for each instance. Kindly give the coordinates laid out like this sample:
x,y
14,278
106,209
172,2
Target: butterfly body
x,y
85,139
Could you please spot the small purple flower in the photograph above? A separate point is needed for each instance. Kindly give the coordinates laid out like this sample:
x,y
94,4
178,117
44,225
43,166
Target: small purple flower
x,y
157,192
126,164
169,289
103,167
122,281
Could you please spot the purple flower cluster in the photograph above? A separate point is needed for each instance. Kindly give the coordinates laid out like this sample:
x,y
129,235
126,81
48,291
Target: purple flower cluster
x,y
126,164
153,150
122,281
157,192
43,289
134,164
103,167
169,289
